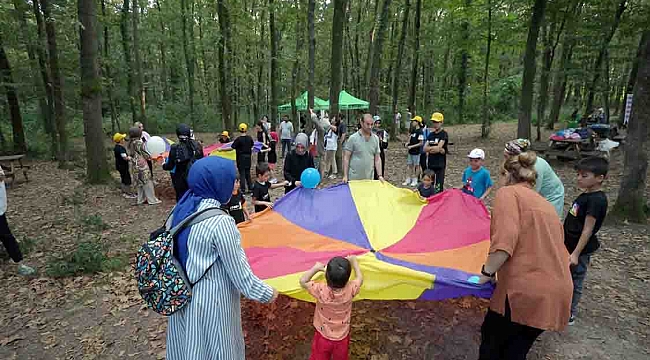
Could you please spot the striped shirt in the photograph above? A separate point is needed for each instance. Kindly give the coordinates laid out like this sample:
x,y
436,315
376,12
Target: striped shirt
x,y
209,327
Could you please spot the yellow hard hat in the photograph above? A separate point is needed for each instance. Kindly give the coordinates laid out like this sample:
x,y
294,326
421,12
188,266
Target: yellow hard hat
x,y
118,137
243,127
437,117
225,133
418,118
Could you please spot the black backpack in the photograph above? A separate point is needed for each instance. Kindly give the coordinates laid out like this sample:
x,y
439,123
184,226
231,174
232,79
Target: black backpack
x,y
186,155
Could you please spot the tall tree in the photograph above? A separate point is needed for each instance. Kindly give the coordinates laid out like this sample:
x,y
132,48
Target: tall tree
x,y
21,7
108,74
57,83
188,25
6,77
464,61
91,93
311,7
274,63
377,50
126,47
337,54
597,72
416,54
398,60
295,71
528,81
629,89
137,64
224,75
485,126
45,75
631,196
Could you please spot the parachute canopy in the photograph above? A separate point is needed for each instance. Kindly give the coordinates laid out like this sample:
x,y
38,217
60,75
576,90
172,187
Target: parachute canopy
x,y
408,247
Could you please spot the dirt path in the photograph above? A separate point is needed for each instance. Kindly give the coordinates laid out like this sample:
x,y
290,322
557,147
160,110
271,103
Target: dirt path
x,y
102,317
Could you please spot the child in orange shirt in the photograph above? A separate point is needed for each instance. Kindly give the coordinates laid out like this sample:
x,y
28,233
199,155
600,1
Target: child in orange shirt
x,y
333,306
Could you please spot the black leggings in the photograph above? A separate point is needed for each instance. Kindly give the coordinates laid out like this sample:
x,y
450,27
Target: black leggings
x,y
382,155
180,186
502,339
439,181
125,176
9,241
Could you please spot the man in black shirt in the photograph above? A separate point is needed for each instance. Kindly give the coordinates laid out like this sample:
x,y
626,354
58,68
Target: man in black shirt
x,y
436,150
583,221
243,146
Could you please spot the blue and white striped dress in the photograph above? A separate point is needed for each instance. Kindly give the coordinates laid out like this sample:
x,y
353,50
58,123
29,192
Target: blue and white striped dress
x,y
209,327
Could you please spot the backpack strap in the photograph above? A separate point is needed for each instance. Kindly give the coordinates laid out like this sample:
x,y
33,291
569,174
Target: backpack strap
x,y
195,218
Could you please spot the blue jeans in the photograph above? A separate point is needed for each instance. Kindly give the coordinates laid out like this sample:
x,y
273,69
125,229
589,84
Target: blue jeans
x,y
578,273
286,146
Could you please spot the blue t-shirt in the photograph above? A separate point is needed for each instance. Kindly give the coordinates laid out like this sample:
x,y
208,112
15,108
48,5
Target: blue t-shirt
x,y
476,182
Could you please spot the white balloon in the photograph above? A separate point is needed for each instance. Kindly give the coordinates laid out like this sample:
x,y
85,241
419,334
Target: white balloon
x,y
156,146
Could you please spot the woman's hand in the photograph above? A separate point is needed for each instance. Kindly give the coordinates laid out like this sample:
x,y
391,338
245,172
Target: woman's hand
x,y
275,296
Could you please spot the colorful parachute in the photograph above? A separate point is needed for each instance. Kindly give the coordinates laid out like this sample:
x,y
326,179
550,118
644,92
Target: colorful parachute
x,y
408,248
227,151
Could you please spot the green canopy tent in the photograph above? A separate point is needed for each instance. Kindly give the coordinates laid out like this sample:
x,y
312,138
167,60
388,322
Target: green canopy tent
x,y
301,104
349,102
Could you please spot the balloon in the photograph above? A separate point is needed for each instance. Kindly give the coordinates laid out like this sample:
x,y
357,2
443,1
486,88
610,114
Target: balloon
x,y
156,146
310,178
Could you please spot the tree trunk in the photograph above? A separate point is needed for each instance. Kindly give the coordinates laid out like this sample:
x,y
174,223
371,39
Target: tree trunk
x,y
416,55
224,26
632,196
91,93
312,55
57,84
260,71
20,146
337,55
47,83
296,67
601,56
378,45
357,54
21,6
633,73
137,66
485,126
606,87
163,53
526,102
547,62
464,62
188,26
126,47
398,62
274,64
115,120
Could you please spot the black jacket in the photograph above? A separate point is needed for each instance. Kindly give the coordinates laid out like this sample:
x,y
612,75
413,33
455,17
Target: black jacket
x,y
294,165
182,166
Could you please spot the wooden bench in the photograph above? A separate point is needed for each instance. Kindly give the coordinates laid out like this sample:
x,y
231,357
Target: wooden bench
x,y
15,164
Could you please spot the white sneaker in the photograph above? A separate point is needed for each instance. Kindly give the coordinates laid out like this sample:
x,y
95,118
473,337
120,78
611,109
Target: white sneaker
x,y
414,183
25,270
406,182
332,177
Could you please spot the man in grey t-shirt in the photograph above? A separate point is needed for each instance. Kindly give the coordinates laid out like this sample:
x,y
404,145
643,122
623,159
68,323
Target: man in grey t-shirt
x,y
361,154
286,133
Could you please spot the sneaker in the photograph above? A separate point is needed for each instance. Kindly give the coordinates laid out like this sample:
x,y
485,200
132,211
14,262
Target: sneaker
x,y
26,270
129,196
572,319
406,182
332,177
414,183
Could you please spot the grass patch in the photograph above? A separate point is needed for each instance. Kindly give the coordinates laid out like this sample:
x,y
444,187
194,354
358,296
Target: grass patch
x,y
27,245
89,257
95,223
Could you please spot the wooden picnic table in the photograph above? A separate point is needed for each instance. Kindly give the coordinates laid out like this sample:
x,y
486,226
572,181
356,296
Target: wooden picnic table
x,y
15,164
573,149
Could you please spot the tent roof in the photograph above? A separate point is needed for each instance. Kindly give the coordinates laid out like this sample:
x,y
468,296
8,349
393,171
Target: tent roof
x,y
302,101
349,102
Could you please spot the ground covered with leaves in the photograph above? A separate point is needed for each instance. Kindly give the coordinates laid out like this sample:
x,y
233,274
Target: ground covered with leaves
x,y
83,303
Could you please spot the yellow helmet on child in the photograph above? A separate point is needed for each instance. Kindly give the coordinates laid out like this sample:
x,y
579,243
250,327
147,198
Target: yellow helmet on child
x,y
437,117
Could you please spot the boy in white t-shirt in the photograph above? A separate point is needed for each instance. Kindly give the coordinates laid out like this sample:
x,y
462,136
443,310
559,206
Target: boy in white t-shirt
x,y
7,238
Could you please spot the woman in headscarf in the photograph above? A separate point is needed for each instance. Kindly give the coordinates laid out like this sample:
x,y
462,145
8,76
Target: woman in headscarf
x,y
209,327
527,252
548,184
296,162
139,157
